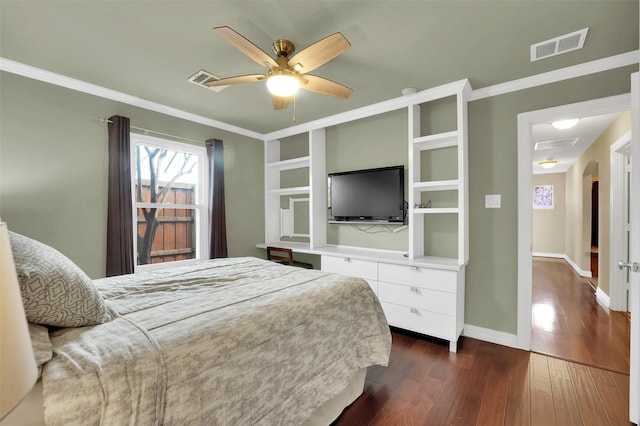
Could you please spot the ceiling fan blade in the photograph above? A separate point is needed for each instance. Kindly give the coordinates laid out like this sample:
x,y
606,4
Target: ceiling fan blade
x,y
245,46
249,78
280,102
319,53
324,86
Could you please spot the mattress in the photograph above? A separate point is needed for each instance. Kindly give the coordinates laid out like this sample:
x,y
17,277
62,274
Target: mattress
x,y
30,412
227,341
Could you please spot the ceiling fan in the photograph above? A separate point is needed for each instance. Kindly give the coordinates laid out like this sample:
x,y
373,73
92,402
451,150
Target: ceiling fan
x,y
286,73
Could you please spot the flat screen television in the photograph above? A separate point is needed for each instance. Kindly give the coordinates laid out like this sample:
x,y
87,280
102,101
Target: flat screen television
x,y
371,195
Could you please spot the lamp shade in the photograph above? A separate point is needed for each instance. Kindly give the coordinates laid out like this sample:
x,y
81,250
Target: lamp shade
x,y
18,371
565,124
283,84
548,163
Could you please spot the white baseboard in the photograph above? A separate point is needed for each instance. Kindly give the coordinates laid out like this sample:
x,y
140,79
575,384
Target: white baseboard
x,y
554,255
492,336
582,273
603,298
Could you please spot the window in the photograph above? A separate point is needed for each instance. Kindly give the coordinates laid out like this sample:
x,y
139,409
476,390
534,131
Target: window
x,y
169,188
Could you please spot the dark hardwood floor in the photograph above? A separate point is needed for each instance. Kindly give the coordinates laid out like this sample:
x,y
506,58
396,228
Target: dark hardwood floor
x,y
485,384
570,324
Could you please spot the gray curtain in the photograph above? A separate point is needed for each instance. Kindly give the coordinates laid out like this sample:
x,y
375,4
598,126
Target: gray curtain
x,y
120,259
217,221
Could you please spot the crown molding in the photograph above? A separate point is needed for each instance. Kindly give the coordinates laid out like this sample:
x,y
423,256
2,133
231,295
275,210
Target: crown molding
x,y
599,65
586,68
92,89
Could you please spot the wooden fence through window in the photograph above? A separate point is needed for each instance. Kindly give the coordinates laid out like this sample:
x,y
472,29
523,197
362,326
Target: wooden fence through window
x,y
175,237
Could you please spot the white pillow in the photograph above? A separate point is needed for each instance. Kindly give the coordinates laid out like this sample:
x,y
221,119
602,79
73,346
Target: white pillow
x,y
54,290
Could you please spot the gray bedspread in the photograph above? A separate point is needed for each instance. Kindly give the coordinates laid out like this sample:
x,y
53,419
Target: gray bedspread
x,y
238,341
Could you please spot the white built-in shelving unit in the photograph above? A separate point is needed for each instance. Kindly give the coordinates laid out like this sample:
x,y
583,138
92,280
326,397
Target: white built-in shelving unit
x,y
455,139
418,291
314,163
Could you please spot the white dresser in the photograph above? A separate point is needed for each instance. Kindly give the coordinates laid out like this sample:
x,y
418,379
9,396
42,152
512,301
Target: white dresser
x,y
426,299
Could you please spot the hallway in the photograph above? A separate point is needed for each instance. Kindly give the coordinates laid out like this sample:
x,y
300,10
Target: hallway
x,y
568,322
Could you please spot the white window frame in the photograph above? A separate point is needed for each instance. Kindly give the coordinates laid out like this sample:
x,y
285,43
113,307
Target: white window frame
x,y
201,196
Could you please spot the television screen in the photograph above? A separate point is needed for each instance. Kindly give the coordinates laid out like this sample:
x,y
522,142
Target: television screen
x,y
368,195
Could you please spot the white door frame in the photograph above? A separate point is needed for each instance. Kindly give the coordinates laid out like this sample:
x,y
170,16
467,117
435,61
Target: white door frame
x,y
526,121
617,278
634,373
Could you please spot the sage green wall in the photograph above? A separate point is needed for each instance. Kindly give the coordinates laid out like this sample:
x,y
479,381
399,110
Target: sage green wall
x,y
53,175
491,278
377,141
53,169
549,224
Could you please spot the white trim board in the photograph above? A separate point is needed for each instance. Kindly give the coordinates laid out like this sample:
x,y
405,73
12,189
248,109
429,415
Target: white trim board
x,y
581,272
617,226
604,64
553,255
491,336
561,74
92,89
603,298
599,65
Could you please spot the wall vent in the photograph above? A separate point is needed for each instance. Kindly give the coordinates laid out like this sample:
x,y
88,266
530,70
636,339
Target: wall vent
x,y
202,77
558,45
556,143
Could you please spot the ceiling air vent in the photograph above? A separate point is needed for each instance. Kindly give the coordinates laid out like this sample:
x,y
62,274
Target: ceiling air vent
x,y
558,45
202,77
556,143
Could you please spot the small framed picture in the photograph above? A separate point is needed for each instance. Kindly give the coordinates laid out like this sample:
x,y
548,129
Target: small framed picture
x,y
543,196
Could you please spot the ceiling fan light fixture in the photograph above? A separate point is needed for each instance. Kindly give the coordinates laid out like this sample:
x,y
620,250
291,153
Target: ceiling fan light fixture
x,y
565,124
547,164
283,84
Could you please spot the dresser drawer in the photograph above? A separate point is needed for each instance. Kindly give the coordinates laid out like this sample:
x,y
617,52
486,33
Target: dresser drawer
x,y
434,279
430,300
353,267
421,321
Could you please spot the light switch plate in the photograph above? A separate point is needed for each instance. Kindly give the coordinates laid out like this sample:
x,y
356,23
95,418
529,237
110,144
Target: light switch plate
x,y
492,201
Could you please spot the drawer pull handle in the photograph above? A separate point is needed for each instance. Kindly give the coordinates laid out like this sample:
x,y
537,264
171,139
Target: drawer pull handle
x,y
347,259
415,268
414,311
414,290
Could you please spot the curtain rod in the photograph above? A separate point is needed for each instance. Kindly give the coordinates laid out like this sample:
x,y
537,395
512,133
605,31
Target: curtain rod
x,y
106,120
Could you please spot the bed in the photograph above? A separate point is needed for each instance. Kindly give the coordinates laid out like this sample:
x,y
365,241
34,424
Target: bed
x,y
239,341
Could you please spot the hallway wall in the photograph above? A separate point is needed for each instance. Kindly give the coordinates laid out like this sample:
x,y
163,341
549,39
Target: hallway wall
x,y
577,244
549,224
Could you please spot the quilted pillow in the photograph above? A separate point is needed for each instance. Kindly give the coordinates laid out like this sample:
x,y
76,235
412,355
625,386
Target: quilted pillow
x,y
54,290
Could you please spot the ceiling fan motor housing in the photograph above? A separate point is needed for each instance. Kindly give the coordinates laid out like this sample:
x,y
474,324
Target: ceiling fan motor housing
x,y
283,47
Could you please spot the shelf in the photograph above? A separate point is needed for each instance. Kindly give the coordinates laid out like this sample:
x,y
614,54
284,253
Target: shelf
x,y
440,140
294,163
437,185
289,191
366,222
430,210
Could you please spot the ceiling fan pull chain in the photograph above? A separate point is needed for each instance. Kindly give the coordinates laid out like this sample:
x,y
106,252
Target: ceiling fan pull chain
x,y
294,109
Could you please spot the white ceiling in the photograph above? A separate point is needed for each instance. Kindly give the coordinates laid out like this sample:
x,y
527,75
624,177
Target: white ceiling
x,y
149,49
586,131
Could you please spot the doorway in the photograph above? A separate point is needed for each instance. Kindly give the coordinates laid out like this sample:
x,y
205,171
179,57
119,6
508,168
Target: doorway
x,y
526,121
568,321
